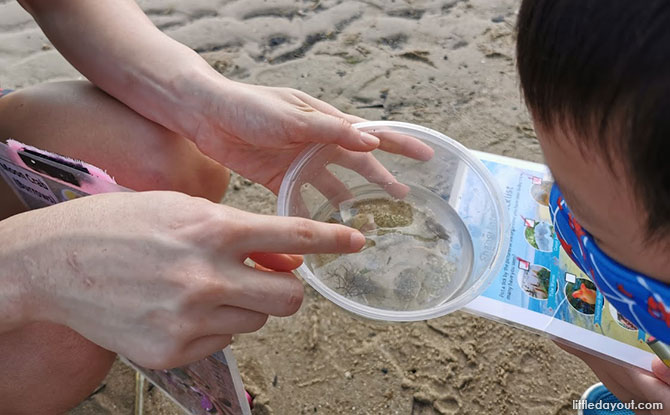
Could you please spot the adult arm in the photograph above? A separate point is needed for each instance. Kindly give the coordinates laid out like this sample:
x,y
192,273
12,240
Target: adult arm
x,y
256,131
158,277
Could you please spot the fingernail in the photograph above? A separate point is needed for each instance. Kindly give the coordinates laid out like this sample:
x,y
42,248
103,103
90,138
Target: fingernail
x,y
397,190
426,153
357,240
370,139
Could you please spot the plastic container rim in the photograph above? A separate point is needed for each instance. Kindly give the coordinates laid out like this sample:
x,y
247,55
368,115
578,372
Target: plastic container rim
x,y
436,138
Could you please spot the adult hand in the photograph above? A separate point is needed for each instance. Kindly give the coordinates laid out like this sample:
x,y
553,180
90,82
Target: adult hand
x,y
159,277
630,384
258,132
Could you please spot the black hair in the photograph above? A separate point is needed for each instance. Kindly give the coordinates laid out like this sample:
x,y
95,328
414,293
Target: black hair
x,y
602,69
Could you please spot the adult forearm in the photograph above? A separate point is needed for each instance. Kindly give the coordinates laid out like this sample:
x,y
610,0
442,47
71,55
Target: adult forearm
x,y
15,276
117,47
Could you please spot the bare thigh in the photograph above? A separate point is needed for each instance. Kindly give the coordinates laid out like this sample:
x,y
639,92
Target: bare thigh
x,y
77,120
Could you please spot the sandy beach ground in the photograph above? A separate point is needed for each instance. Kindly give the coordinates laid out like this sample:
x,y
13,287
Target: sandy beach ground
x,y
445,64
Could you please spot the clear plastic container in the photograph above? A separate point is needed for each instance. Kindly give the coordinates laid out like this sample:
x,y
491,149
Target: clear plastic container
x,y
434,218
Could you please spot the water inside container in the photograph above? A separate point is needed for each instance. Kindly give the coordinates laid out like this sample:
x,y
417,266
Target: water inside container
x,y
418,251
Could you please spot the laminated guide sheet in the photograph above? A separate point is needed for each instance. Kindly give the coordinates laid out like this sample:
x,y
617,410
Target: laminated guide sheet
x,y
539,287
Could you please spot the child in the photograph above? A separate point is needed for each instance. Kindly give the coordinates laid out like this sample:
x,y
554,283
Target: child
x,y
596,78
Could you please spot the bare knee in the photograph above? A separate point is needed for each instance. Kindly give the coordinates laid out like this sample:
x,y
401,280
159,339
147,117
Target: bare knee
x,y
191,173
212,181
51,362
80,121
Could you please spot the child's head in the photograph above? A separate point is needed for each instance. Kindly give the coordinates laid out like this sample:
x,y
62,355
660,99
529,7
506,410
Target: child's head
x,y
596,78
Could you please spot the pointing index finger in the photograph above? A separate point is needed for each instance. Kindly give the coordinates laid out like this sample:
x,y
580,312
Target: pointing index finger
x,y
290,235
